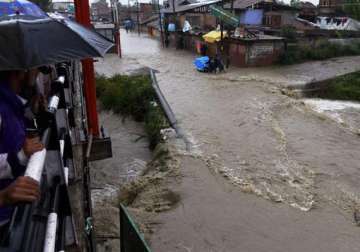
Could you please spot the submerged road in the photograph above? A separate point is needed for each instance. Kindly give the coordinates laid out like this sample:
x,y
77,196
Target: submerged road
x,y
249,139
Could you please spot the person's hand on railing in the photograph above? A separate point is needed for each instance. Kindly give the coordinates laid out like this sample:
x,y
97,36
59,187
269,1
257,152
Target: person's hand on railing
x,y
23,189
32,145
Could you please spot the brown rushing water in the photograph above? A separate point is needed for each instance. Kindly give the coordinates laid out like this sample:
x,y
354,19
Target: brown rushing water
x,y
244,128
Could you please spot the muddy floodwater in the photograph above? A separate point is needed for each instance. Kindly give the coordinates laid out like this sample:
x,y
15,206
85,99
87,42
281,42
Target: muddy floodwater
x,y
262,141
302,153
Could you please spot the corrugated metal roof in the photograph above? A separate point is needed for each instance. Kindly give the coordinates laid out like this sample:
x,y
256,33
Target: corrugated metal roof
x,y
149,19
243,4
154,24
188,7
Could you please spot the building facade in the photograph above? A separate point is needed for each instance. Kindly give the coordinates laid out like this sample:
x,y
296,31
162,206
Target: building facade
x,y
331,7
100,11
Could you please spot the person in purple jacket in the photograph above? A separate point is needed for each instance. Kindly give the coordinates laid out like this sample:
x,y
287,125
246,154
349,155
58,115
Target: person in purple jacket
x,y
15,147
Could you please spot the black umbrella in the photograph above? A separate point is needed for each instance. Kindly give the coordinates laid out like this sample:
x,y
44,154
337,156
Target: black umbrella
x,y
28,41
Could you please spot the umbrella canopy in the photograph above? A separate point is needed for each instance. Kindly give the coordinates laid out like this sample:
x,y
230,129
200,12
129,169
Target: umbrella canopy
x,y
30,38
20,7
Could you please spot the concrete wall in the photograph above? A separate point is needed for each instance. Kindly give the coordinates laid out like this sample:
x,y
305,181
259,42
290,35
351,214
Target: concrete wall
x,y
255,53
241,53
264,53
345,41
237,54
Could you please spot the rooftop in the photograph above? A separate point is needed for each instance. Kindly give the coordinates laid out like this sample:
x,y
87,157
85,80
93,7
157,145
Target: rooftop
x,y
187,7
244,4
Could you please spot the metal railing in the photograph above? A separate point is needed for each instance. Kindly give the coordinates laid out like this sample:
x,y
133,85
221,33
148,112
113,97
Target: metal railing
x,y
46,224
130,238
168,111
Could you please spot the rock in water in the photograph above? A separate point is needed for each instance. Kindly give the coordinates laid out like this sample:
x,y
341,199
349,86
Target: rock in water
x,y
357,217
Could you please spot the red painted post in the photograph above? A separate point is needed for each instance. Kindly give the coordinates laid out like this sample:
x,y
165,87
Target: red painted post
x,y
82,14
118,42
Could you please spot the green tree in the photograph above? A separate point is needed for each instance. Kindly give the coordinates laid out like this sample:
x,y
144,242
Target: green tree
x,y
352,8
43,4
294,3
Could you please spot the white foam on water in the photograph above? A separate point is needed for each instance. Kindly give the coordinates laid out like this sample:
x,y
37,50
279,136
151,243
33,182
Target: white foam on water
x,y
331,108
321,105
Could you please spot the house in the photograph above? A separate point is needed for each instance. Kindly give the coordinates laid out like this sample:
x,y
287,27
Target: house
x,y
146,10
100,11
262,50
177,3
268,13
151,25
254,50
307,11
127,12
338,23
63,7
196,13
331,7
143,11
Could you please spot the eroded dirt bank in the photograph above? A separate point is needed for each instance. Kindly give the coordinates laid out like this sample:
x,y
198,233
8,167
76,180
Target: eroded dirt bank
x,y
130,155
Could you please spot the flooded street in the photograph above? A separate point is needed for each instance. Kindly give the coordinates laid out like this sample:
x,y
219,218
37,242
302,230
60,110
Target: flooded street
x,y
256,140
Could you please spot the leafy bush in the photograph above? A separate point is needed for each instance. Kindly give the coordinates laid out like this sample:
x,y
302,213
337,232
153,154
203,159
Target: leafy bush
x,y
288,32
133,96
155,121
346,87
127,95
324,50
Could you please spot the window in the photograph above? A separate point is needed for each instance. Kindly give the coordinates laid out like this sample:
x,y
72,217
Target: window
x,y
273,20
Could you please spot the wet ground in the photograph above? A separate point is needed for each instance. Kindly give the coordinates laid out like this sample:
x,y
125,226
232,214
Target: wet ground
x,y
130,155
265,143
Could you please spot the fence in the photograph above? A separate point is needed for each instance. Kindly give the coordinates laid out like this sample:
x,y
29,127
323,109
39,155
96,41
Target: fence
x,y
47,223
130,238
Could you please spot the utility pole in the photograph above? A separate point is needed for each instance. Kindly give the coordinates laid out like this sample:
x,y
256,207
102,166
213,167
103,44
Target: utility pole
x,y
222,31
160,24
138,16
115,12
82,14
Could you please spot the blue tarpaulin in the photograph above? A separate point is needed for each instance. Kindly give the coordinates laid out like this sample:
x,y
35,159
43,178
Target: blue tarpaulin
x,y
202,63
251,17
171,27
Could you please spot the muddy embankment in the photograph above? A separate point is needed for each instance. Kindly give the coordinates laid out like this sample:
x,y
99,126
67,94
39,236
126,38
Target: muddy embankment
x,y
130,155
139,178
138,175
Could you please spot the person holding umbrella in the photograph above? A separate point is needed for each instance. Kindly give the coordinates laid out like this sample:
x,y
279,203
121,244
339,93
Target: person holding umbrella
x,y
15,146
30,38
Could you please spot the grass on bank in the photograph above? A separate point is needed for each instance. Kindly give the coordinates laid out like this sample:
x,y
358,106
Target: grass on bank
x,y
325,50
133,96
346,87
